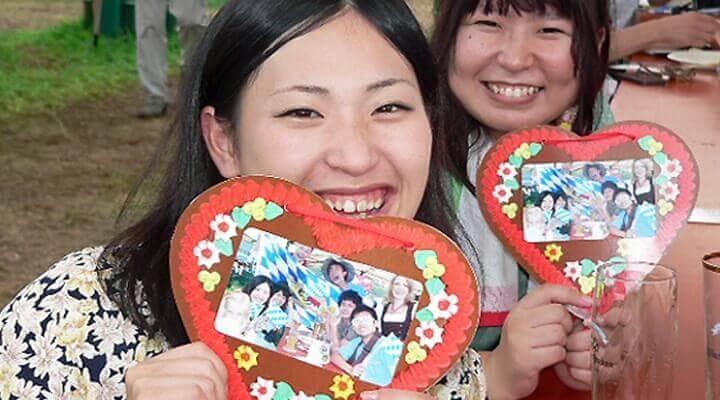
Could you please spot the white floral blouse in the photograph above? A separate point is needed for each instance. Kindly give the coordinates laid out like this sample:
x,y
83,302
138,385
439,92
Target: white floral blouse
x,y
62,338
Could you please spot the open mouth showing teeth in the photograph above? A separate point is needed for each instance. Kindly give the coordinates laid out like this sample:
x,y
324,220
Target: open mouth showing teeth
x,y
357,206
513,90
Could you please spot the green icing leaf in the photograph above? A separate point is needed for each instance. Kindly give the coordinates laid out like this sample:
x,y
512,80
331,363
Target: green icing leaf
x,y
535,148
660,158
645,142
283,391
272,211
424,315
421,257
661,180
512,183
588,267
434,286
224,247
515,161
241,218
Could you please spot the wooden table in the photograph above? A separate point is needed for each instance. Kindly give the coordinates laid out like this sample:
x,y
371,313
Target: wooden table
x,y
691,110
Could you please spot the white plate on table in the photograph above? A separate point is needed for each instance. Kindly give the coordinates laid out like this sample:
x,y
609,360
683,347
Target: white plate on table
x,y
706,59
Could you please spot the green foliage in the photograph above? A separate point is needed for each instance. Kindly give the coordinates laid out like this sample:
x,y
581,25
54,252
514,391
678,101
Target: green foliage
x,y
44,70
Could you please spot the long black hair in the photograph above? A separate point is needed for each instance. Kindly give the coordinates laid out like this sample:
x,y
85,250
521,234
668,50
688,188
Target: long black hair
x,y
238,40
589,17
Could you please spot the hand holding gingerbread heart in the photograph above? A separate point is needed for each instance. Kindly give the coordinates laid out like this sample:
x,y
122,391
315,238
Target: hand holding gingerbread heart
x,y
299,302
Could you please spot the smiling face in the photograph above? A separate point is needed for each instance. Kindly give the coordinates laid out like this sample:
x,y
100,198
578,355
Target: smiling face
x,y
346,308
514,71
363,324
547,202
400,288
337,275
623,200
560,203
260,294
640,170
278,299
347,121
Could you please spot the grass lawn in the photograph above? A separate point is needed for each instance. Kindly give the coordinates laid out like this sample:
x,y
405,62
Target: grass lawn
x,y
44,70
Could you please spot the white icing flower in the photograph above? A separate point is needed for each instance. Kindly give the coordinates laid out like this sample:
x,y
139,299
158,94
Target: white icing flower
x,y
716,329
262,389
671,169
207,254
430,334
506,171
443,305
573,271
669,191
502,193
224,227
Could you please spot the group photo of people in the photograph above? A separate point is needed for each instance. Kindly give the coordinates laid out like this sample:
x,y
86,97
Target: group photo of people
x,y
317,307
589,200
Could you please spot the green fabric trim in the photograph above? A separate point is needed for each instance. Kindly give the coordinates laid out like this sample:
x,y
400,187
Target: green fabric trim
x,y
457,188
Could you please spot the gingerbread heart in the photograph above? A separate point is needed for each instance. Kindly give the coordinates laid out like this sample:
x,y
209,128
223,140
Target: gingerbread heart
x,y
564,204
264,272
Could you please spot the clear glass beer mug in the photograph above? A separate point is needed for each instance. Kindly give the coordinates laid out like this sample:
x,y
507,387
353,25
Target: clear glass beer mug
x,y
634,335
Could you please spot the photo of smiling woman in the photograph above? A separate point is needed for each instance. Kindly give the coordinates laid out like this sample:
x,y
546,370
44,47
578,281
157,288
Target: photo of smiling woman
x,y
350,122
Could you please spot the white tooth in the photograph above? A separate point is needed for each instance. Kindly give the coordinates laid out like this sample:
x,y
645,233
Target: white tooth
x,y
378,203
517,92
524,91
330,203
338,205
362,206
349,206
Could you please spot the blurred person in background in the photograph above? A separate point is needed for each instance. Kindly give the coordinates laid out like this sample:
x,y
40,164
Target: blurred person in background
x,y
151,42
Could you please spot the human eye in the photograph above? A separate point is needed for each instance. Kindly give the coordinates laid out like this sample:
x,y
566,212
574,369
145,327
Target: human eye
x,y
559,27
392,108
299,113
487,23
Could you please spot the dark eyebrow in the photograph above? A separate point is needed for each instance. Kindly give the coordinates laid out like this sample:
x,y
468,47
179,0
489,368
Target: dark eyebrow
x,y
387,83
310,89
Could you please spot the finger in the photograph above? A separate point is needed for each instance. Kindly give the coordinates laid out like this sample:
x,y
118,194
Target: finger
x,y
581,375
200,368
548,335
551,314
579,359
547,294
195,350
579,341
546,356
190,387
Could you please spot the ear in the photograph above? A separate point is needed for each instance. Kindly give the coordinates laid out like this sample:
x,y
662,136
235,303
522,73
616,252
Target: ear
x,y
219,143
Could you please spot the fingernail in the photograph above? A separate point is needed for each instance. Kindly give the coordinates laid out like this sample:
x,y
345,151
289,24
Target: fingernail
x,y
369,395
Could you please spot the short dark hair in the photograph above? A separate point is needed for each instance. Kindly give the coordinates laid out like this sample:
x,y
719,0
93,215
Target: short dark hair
x,y
351,296
601,169
281,287
608,185
257,281
544,194
363,308
621,191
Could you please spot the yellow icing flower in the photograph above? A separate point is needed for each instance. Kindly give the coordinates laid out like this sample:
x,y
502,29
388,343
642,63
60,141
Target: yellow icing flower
x,y
523,151
664,207
654,147
209,279
587,284
255,208
510,210
415,353
433,269
343,386
553,252
246,357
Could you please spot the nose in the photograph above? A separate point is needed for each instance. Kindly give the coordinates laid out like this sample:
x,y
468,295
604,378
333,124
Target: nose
x,y
352,149
516,53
